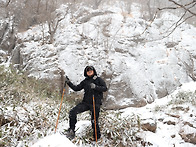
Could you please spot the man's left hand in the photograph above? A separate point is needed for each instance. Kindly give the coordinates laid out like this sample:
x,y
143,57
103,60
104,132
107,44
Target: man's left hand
x,y
92,86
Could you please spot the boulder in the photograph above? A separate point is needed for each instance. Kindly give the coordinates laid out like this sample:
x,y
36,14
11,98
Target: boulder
x,y
149,125
189,137
7,37
16,57
188,133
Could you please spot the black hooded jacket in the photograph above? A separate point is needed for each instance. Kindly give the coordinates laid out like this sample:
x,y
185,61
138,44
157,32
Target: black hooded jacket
x,y
88,92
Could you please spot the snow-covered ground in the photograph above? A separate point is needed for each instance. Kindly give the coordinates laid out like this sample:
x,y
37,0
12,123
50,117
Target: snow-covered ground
x,y
55,140
165,134
165,110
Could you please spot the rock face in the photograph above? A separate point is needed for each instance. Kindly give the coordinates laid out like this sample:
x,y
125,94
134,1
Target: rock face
x,y
7,37
137,68
7,40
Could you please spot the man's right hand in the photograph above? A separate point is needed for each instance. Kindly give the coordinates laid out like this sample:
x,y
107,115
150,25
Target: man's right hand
x,y
66,80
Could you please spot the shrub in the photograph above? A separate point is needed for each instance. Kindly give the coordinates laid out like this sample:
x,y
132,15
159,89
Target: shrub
x,y
185,97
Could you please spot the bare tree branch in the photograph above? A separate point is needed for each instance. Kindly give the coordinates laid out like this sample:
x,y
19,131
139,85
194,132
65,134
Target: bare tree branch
x,y
9,1
187,9
190,3
154,17
178,23
53,26
166,8
184,6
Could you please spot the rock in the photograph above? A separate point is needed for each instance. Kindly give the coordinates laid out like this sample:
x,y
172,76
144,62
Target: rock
x,y
188,133
170,122
122,103
171,44
161,92
2,120
145,143
119,100
161,119
149,125
3,56
181,108
16,57
173,115
7,37
190,137
189,124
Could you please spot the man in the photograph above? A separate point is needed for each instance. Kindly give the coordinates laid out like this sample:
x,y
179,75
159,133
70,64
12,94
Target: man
x,y
93,86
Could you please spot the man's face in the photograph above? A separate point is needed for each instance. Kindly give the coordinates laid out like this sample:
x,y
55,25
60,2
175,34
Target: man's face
x,y
90,73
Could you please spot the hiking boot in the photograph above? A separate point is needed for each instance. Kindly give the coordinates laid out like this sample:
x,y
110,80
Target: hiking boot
x,y
70,134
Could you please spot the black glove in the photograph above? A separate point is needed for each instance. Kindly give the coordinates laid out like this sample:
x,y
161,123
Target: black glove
x,y
66,80
92,86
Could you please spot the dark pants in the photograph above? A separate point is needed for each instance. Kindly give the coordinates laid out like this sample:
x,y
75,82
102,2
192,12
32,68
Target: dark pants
x,y
82,107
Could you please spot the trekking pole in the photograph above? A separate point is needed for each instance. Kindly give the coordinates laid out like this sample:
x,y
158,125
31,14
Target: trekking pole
x,y
95,119
60,109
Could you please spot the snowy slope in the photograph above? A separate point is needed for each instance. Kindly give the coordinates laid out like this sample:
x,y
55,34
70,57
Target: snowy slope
x,y
161,112
171,118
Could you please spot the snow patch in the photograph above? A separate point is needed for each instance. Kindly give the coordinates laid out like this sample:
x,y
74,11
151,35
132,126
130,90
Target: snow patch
x,y
55,140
